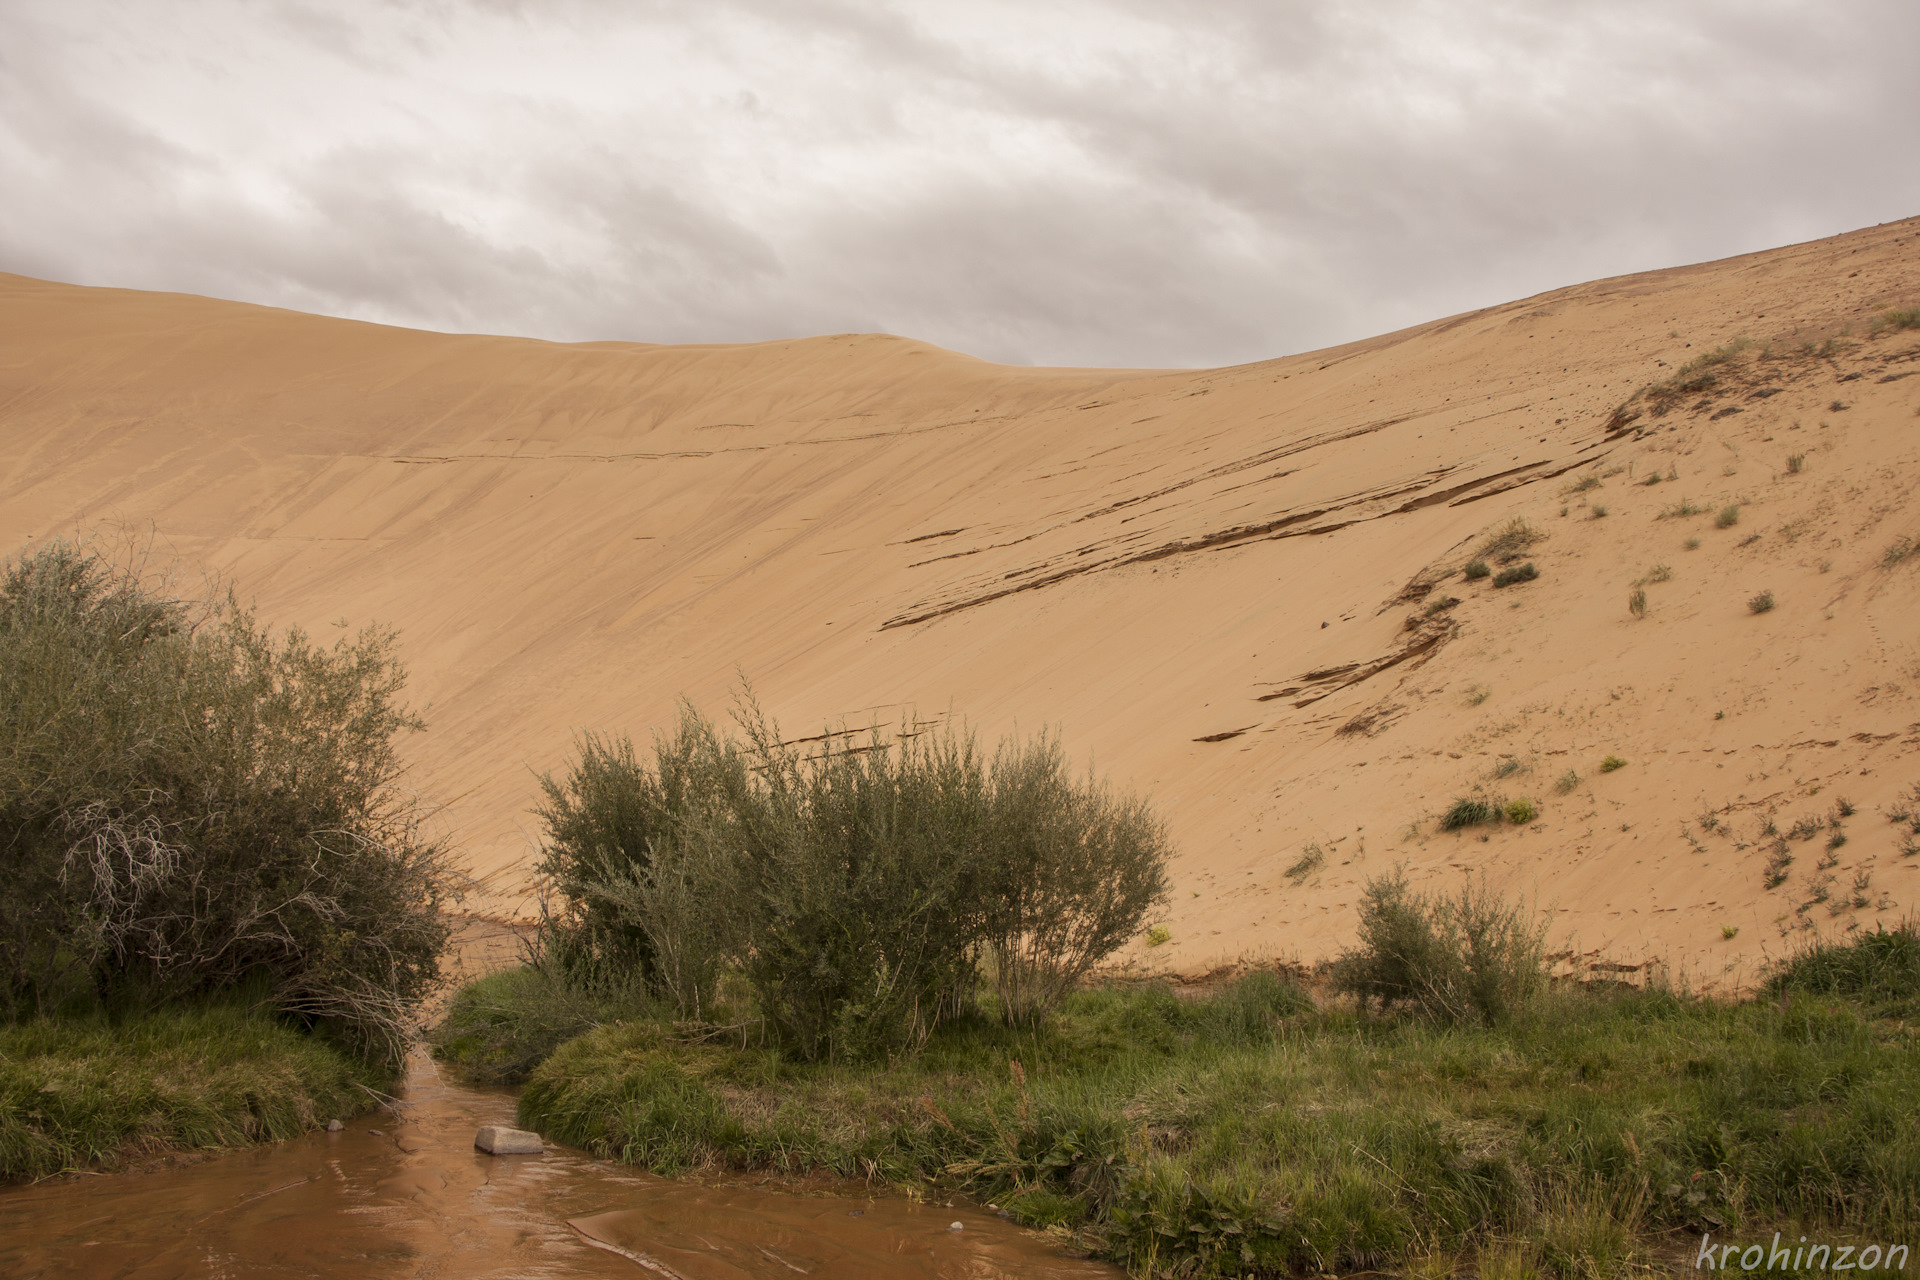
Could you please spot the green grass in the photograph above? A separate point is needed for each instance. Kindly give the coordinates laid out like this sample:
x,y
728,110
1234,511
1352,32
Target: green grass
x,y
1470,811
500,1027
1898,318
83,1092
1248,1133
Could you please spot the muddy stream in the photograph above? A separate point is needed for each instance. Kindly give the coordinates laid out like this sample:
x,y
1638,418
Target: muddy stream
x,y
407,1195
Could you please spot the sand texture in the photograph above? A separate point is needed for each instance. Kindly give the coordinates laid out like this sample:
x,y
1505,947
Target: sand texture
x,y
1216,583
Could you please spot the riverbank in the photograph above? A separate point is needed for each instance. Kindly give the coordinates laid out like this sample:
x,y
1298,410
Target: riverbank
x,y
1257,1131
93,1094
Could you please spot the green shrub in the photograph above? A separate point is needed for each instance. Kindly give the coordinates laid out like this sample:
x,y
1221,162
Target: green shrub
x,y
1761,603
1520,812
1471,957
1518,573
1477,569
1611,763
1796,462
1682,508
1637,602
1899,549
1729,516
189,803
1568,781
855,887
1897,318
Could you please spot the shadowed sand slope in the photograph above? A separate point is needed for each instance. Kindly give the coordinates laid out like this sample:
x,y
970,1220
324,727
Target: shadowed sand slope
x,y
1218,583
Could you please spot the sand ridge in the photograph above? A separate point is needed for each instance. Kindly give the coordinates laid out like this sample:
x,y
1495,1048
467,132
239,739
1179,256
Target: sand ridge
x,y
1214,581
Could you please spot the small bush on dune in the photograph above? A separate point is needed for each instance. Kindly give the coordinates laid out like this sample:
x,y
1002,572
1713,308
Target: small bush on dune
x,y
1477,569
1509,540
1518,573
1729,516
189,803
1897,318
1469,958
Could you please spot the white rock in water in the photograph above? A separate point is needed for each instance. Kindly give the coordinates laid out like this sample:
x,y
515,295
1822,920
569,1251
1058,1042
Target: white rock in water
x,y
956,1226
334,1126
496,1140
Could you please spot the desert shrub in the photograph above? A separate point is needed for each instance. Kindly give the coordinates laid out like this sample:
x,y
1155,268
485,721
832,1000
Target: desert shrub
x,y
1682,508
1073,870
188,802
1729,516
1897,318
1518,573
1761,603
1899,549
1598,511
1637,602
855,888
619,856
1312,858
1470,957
1796,462
1477,569
1568,781
1509,540
1611,763
1520,812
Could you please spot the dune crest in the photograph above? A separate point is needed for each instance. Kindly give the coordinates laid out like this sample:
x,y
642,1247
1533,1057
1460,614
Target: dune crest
x,y
1227,586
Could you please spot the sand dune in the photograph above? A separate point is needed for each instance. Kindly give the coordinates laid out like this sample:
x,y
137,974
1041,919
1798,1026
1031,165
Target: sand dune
x,y
1215,582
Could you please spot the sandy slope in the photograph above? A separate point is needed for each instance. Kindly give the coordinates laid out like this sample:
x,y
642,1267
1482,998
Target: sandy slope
x,y
1202,577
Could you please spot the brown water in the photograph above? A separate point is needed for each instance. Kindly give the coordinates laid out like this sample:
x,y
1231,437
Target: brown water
x,y
410,1197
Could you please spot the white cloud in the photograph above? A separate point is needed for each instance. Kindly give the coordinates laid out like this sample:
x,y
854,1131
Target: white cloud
x,y
1107,181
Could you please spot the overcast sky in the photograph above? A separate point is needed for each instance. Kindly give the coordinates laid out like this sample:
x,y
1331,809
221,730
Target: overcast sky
x,y
1111,182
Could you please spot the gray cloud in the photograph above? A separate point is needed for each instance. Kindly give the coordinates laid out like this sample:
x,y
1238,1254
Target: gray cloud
x,y
1100,182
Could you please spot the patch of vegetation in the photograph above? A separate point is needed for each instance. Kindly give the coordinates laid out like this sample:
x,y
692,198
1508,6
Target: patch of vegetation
x,y
1660,573
1900,549
1518,573
1611,763
500,1027
1246,1133
1597,511
1477,569
1509,541
1441,604
852,887
1637,602
1585,484
1568,781
1896,318
1761,603
1692,378
1729,516
1470,811
1312,858
1520,812
1693,544
189,803
1796,462
1684,507
80,1092
1880,969
1777,863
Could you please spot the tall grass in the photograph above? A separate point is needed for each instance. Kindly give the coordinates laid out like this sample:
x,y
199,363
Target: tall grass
x,y
79,1092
